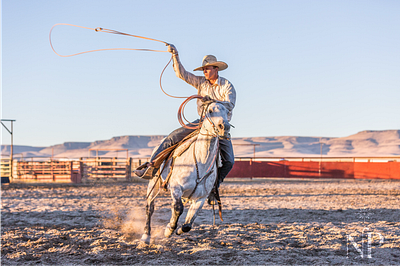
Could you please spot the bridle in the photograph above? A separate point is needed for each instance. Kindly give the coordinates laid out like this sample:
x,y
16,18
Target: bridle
x,y
216,132
204,115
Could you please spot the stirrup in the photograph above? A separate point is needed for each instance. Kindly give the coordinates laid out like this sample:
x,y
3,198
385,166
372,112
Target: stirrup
x,y
145,171
212,199
142,166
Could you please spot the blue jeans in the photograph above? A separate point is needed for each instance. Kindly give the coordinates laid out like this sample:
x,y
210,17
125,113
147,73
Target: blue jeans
x,y
225,147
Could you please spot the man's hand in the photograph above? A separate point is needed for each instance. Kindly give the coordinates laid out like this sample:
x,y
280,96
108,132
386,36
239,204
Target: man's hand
x,y
172,49
206,99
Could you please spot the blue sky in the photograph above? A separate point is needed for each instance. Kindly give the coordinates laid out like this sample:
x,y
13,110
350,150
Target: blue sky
x,y
304,68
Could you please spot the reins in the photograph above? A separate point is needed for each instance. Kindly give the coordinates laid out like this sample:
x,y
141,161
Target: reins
x,y
208,171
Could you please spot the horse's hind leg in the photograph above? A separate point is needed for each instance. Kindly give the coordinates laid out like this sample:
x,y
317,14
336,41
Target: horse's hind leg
x,y
177,210
195,207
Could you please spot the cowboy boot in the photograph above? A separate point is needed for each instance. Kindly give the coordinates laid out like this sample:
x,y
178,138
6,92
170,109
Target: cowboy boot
x,y
214,195
211,200
145,171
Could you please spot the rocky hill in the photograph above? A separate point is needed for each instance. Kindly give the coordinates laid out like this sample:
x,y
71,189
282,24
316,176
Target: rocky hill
x,y
365,143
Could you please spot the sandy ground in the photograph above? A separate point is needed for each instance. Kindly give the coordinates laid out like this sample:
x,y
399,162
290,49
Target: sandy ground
x,y
265,222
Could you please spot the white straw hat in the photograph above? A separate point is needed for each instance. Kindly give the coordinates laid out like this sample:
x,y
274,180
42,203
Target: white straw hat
x,y
211,60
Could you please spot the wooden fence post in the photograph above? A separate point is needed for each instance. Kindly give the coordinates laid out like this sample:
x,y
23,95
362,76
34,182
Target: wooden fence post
x,y
129,169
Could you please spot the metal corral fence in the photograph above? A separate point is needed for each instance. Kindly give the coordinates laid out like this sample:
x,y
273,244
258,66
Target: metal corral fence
x,y
46,171
102,169
318,167
96,169
83,170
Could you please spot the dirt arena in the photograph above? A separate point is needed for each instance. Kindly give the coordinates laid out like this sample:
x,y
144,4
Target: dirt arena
x,y
265,222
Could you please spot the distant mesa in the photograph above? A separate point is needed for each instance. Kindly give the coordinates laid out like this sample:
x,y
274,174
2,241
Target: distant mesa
x,y
365,143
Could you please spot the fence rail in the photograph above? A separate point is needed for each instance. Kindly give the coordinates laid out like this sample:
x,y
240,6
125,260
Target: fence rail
x,y
323,159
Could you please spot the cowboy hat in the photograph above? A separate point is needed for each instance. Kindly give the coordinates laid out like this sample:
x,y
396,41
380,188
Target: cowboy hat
x,y
210,60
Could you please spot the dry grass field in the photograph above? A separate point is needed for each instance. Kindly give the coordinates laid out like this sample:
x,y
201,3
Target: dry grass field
x,y
271,221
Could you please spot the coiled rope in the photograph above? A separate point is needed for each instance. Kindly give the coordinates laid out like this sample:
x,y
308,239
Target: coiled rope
x,y
181,115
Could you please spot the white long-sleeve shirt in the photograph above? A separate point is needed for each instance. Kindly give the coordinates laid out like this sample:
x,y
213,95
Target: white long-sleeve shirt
x,y
222,91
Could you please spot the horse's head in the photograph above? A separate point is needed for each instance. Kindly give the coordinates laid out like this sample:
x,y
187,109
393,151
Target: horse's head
x,y
216,120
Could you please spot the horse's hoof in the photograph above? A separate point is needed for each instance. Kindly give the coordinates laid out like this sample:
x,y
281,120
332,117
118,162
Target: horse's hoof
x,y
146,239
168,231
184,229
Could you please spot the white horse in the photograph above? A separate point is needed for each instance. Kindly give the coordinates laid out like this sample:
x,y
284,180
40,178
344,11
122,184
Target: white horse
x,y
193,174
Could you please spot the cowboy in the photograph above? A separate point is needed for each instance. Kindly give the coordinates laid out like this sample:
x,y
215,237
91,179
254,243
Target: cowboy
x,y
213,88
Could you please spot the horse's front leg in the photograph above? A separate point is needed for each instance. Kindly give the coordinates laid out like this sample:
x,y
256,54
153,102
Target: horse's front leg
x,y
177,210
195,207
152,191
146,237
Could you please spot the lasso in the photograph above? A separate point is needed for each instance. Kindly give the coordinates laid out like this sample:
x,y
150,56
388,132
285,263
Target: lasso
x,y
181,115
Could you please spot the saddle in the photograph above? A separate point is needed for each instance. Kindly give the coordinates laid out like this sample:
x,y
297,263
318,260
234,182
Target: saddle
x,y
169,153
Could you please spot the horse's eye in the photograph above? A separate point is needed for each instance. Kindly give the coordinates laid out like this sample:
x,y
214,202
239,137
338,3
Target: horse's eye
x,y
210,111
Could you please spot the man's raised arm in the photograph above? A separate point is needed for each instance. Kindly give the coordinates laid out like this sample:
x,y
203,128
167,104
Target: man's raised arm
x,y
180,71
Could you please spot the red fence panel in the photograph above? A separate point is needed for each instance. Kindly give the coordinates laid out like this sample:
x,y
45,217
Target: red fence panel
x,y
394,170
257,169
315,169
387,170
241,169
337,169
300,169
